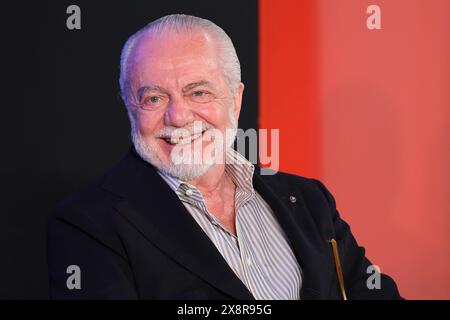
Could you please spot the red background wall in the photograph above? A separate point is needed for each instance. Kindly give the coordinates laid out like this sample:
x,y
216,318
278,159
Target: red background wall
x,y
368,113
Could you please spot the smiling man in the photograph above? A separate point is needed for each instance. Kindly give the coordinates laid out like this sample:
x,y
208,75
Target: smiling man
x,y
183,215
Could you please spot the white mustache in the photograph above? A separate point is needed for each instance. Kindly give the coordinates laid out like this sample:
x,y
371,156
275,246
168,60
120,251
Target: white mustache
x,y
189,130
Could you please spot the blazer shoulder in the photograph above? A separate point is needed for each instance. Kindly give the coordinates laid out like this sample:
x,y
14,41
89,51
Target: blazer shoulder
x,y
310,192
309,188
89,211
95,202
85,199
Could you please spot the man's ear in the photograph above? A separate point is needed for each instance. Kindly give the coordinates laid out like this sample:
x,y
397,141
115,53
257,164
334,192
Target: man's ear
x,y
237,101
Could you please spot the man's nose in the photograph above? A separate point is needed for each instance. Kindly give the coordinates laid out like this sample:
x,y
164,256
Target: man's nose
x,y
178,113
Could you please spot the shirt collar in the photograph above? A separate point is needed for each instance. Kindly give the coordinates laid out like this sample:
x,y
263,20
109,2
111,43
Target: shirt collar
x,y
237,167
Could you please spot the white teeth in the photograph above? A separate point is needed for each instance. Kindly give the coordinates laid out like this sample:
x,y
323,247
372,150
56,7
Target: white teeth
x,y
184,140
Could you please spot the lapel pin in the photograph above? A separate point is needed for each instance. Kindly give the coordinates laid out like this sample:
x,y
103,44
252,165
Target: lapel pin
x,y
292,199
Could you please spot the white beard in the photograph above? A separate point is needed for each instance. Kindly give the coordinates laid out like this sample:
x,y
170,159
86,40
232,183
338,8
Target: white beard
x,y
182,171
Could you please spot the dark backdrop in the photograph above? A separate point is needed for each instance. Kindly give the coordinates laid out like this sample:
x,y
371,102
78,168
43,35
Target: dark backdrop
x,y
63,122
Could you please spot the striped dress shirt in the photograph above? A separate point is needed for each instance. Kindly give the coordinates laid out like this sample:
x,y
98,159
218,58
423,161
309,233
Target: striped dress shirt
x,y
259,254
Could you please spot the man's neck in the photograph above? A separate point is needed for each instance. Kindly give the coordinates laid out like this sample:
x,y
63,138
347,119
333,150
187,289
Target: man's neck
x,y
212,182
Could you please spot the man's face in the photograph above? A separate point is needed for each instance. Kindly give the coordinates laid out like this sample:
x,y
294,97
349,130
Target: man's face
x,y
183,98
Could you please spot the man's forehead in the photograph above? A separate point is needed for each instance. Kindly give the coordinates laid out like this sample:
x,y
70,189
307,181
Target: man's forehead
x,y
170,44
181,78
161,60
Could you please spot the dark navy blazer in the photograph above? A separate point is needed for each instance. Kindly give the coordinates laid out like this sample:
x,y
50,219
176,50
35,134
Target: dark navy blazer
x,y
132,238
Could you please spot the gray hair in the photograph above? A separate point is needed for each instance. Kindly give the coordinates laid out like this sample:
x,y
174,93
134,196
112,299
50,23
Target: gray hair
x,y
179,23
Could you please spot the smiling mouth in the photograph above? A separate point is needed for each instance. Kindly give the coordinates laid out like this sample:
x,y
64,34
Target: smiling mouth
x,y
183,140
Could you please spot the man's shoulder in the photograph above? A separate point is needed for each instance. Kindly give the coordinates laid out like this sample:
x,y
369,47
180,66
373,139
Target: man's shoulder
x,y
280,180
311,192
96,199
91,200
89,197
310,198
87,212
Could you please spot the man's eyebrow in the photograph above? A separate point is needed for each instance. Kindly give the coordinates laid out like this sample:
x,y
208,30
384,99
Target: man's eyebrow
x,y
201,83
142,90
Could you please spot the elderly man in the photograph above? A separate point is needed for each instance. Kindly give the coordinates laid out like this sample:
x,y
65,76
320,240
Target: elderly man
x,y
183,215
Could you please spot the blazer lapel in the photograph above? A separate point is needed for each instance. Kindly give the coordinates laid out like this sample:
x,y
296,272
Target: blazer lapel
x,y
155,210
311,250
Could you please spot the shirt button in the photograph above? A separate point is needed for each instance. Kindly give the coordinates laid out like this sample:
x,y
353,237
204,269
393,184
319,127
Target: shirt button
x,y
249,262
189,192
292,199
214,223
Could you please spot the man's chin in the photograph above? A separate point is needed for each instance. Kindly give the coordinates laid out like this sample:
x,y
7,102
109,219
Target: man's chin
x,y
186,172
180,171
187,165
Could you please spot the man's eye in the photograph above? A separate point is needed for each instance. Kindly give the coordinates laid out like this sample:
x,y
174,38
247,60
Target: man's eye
x,y
153,99
152,102
201,96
